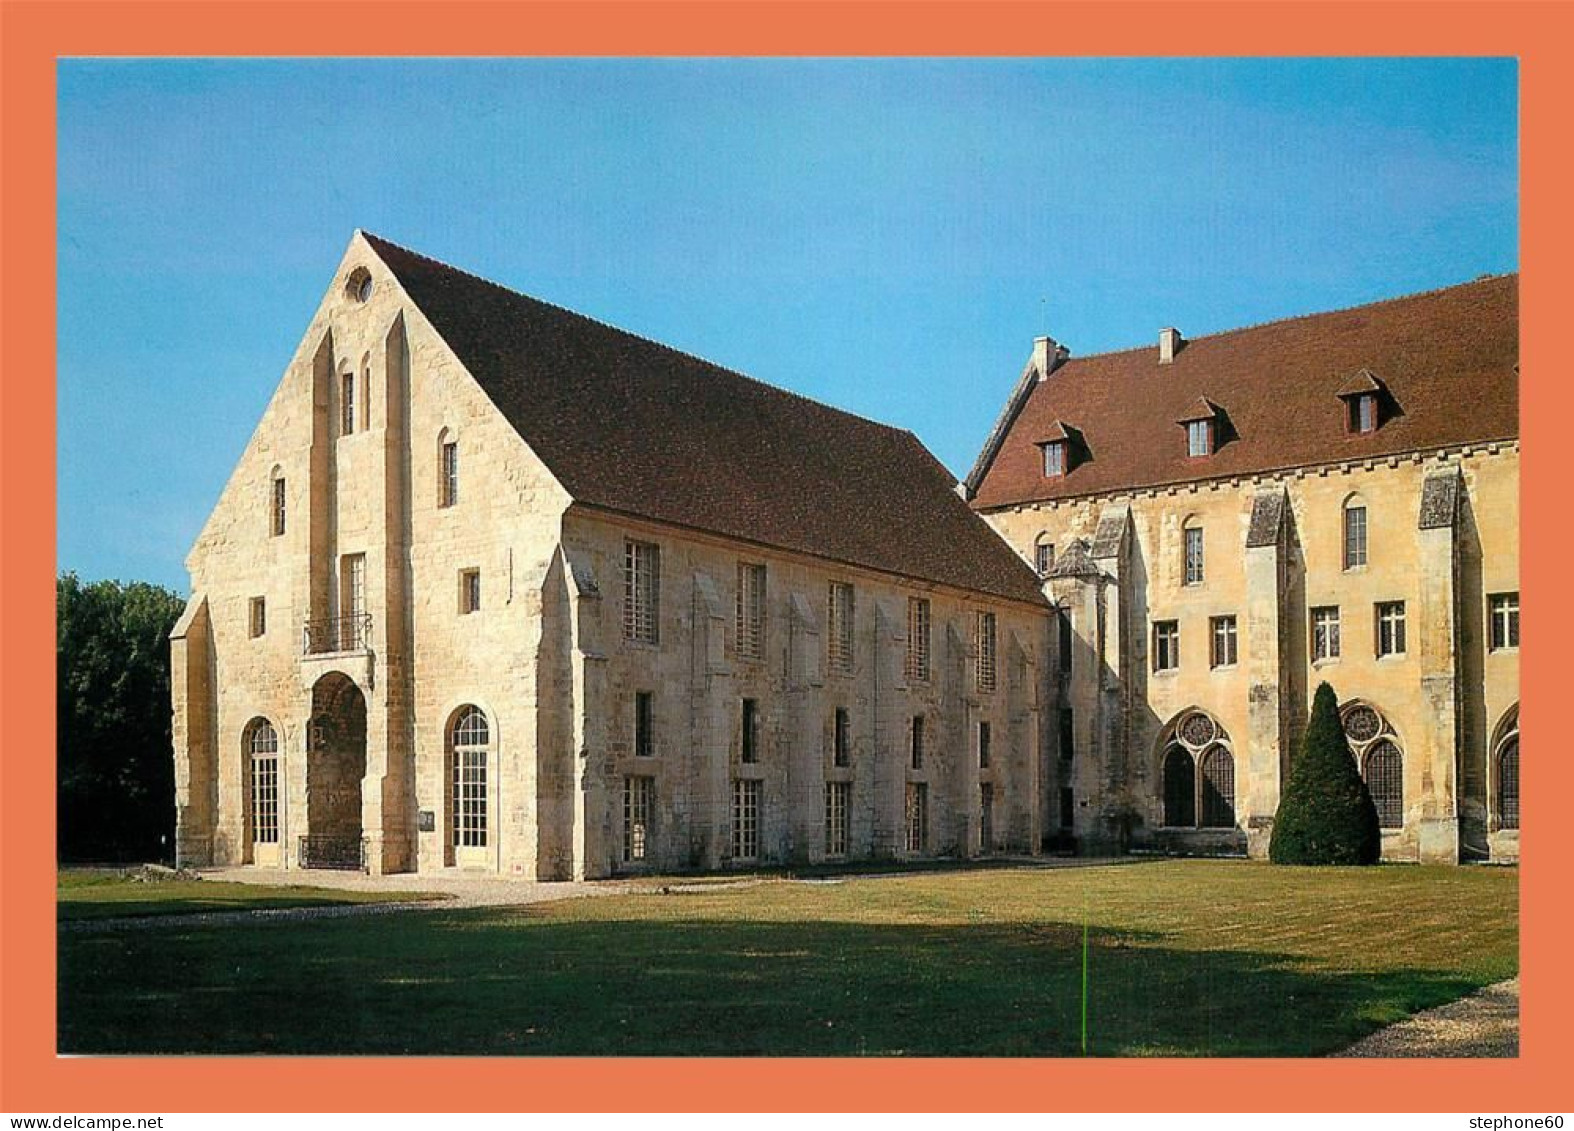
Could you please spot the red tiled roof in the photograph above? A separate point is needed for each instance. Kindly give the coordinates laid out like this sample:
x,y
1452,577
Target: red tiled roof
x,y
638,427
1447,358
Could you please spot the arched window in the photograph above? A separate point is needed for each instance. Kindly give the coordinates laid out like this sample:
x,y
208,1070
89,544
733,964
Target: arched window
x,y
1180,788
1508,784
1505,746
471,740
1218,789
1354,532
1385,779
1043,554
447,468
1198,773
1377,752
262,749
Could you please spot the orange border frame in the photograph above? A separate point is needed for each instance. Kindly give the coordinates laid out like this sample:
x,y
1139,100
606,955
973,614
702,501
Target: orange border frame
x,y
33,34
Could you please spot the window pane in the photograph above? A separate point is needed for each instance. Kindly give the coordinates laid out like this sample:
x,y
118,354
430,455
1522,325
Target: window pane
x,y
1508,785
918,638
1385,781
984,645
840,636
1354,537
1194,555
749,627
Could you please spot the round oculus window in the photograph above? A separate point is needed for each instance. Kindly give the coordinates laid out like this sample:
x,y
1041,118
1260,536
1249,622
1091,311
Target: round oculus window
x,y
359,285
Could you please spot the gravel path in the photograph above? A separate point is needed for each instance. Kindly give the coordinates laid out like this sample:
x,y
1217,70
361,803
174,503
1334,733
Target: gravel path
x,y
1484,1024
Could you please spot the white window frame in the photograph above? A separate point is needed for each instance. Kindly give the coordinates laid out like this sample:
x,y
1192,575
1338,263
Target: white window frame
x,y
838,817
639,795
1390,628
1199,438
1503,616
745,819
1224,641
1325,633
1054,459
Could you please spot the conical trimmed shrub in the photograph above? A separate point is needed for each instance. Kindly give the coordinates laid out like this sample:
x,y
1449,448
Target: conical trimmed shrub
x,y
1326,815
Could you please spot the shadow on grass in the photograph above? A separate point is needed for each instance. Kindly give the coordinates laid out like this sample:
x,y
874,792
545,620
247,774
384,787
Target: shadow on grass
x,y
494,981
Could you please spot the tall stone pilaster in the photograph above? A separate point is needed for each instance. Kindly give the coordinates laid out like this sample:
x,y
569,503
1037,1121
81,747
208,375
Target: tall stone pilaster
x,y
1261,758
1435,751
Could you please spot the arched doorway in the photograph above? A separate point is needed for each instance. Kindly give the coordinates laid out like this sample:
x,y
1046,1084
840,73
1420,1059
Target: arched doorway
x,y
335,767
262,792
469,757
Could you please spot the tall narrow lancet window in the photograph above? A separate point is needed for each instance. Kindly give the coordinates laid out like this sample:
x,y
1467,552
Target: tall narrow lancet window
x,y
346,403
1192,534
1354,532
447,468
277,504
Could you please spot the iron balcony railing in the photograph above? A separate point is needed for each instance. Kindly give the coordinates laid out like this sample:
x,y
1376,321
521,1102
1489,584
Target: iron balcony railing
x,y
342,853
337,634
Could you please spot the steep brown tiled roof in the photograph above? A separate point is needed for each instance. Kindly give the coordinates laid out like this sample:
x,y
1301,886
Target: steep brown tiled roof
x,y
1447,360
637,427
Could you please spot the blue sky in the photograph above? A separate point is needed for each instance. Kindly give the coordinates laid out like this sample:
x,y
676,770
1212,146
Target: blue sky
x,y
884,235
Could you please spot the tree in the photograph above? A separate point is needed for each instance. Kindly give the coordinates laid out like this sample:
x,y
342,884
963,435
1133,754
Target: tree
x,y
1326,815
115,765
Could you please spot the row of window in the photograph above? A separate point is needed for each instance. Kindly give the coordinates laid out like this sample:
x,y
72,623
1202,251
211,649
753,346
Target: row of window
x,y
1363,414
1388,635
642,618
639,806
447,474
645,745
1354,553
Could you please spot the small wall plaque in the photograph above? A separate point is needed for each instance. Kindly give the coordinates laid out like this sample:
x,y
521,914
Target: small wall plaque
x,y
426,821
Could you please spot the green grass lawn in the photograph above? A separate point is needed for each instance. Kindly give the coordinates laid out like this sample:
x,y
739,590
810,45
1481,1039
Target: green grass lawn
x,y
99,893
1187,957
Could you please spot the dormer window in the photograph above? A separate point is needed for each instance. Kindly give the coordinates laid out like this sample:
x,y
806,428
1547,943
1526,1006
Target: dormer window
x,y
1054,459
1063,449
1367,403
1202,424
1199,438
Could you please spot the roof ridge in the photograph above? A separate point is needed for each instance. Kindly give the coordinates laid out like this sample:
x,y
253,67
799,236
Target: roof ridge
x,y
1477,281
778,389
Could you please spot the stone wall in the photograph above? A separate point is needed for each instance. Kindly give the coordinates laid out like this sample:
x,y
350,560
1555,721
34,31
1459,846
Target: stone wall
x,y
1273,550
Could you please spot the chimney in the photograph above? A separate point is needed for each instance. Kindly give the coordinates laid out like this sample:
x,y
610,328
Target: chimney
x,y
1047,356
1170,344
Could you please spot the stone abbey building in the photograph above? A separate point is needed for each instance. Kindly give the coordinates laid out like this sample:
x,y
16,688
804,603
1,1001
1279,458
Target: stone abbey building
x,y
498,587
